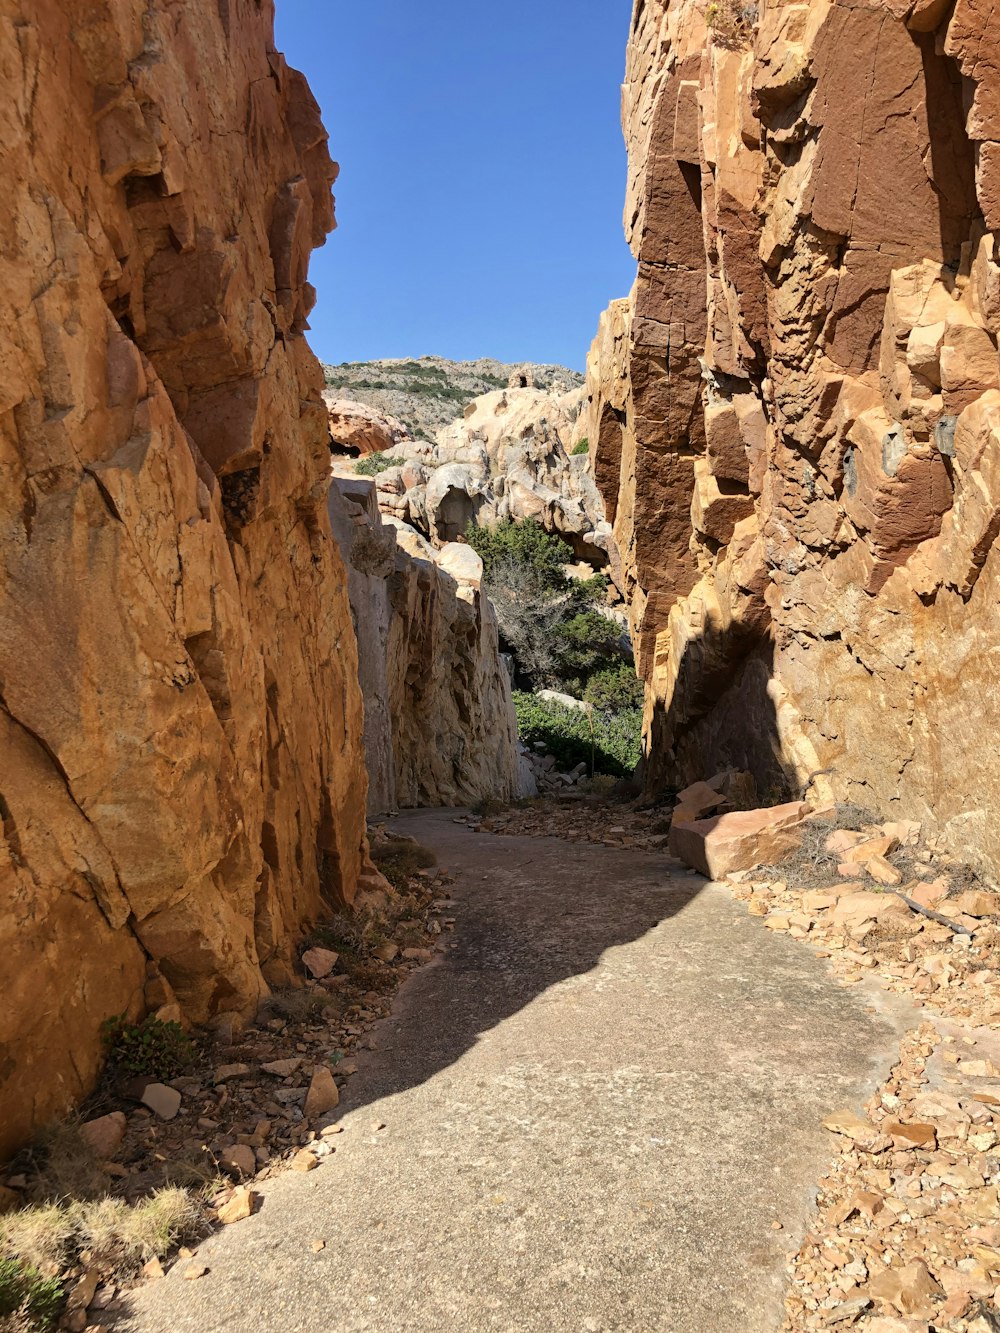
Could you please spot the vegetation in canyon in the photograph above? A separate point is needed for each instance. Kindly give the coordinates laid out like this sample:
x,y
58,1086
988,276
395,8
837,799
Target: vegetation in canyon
x,y
561,640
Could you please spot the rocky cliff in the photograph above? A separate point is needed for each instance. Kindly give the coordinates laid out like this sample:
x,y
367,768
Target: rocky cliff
x,y
182,783
440,727
795,416
510,456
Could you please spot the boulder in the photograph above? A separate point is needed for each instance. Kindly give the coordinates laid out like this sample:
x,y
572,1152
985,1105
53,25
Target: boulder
x,y
740,840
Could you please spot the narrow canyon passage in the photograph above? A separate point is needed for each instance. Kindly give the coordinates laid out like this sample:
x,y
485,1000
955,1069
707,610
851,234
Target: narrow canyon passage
x,y
593,1107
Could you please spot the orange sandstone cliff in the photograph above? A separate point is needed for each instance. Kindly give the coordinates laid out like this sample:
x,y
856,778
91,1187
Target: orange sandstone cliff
x,y
795,417
181,776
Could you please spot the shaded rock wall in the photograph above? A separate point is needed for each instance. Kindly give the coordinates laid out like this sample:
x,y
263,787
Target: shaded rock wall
x,y
182,784
795,416
440,727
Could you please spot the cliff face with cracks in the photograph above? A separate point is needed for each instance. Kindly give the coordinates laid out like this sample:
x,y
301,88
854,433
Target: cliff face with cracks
x,y
440,726
182,783
795,416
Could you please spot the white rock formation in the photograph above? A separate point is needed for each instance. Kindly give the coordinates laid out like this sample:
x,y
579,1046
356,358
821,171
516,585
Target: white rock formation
x,y
440,727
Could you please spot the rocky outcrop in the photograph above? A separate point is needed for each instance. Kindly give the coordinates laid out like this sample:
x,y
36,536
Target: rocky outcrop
x,y
427,393
510,457
795,417
440,727
356,428
182,783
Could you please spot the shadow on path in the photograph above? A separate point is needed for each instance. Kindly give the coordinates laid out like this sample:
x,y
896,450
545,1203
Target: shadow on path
x,y
530,912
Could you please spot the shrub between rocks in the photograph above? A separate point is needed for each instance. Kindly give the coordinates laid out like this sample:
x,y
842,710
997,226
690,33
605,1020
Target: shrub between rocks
x,y
572,735
376,463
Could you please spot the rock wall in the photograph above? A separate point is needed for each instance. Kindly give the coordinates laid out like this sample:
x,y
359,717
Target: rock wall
x,y
182,783
440,727
795,417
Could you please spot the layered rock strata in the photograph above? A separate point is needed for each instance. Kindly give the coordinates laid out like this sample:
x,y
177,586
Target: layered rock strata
x,y
182,783
440,727
795,417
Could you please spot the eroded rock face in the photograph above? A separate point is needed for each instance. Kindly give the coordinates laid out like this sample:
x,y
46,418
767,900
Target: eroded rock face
x,y
509,457
182,784
440,727
364,430
795,417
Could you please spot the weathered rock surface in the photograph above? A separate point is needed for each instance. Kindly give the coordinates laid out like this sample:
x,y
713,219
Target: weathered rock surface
x,y
361,429
182,778
440,727
795,417
509,457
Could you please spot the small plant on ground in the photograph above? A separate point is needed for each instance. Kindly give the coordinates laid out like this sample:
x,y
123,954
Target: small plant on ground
x,y
27,1299
118,1237
581,447
154,1048
376,463
399,858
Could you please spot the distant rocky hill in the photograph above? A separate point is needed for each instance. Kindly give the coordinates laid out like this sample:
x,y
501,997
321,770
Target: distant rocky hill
x,y
430,392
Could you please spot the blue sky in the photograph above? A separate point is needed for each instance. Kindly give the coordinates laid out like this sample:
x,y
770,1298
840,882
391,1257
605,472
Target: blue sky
x,y
482,174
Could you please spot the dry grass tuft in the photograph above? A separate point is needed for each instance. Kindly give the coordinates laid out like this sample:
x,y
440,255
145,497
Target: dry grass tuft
x,y
732,23
65,1166
399,858
120,1236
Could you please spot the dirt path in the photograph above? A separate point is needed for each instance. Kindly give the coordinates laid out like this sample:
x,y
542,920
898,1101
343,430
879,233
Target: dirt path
x,y
594,1105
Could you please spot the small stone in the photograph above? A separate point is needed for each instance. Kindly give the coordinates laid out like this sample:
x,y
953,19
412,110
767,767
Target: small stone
x,y
331,1129
317,1246
419,955
242,1159
281,1068
104,1135
83,1293
323,1095
226,1072
239,1207
979,1068
163,1101
882,871
976,902
912,1135
195,1271
387,952
153,1269
304,1161
319,963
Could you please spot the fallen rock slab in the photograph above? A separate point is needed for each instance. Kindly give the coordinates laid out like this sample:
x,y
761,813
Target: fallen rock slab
x,y
740,840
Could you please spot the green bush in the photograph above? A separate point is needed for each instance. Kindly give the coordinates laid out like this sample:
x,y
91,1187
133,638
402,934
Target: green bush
x,y
586,642
25,1293
572,735
615,690
525,543
376,463
151,1048
582,447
